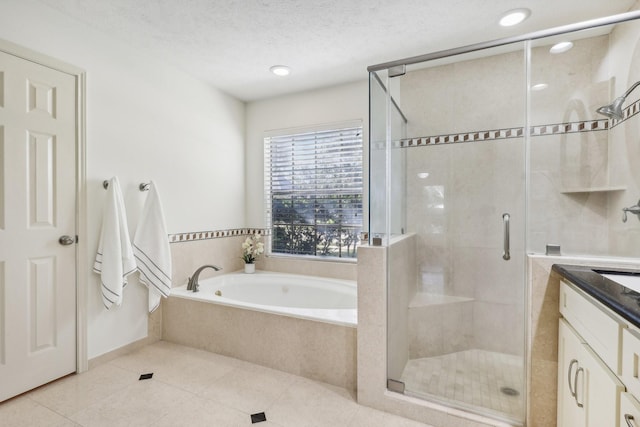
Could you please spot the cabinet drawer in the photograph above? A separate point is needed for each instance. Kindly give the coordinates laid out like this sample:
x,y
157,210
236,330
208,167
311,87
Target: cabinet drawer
x,y
600,329
629,411
631,361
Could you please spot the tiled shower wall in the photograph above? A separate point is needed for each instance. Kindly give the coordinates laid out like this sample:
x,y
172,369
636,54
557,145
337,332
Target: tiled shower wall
x,y
624,142
565,167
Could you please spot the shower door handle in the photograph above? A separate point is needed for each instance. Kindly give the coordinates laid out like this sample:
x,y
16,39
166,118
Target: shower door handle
x,y
506,255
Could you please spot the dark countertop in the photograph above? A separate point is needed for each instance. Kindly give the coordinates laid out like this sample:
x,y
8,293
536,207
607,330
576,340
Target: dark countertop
x,y
621,300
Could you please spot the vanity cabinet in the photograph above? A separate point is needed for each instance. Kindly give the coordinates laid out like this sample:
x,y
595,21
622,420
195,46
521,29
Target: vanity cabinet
x,y
629,405
589,349
588,390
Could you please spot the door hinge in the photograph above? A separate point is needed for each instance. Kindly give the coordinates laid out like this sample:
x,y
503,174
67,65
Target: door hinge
x,y
395,385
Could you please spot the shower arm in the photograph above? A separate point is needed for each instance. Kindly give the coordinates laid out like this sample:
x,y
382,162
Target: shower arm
x,y
635,85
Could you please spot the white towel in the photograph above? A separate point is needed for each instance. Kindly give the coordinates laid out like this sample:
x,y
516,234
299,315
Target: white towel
x,y
114,260
151,249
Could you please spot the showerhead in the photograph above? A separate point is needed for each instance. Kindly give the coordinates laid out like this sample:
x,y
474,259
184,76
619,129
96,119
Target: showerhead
x,y
614,110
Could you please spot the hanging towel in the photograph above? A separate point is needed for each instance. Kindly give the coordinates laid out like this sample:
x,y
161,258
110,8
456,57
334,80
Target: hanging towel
x,y
151,249
114,260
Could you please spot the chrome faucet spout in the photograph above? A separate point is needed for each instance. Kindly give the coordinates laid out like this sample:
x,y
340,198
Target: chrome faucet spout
x,y
193,285
635,209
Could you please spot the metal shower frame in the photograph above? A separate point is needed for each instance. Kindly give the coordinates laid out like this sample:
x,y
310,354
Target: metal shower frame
x,y
585,25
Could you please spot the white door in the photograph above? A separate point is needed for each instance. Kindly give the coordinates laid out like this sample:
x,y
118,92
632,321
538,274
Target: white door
x,y
37,207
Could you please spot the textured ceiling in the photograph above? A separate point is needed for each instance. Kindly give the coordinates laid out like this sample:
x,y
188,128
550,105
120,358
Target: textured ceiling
x,y
232,43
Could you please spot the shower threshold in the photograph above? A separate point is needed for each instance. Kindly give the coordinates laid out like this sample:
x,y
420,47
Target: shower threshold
x,y
482,381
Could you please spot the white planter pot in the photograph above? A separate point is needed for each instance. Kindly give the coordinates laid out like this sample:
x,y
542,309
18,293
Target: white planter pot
x,y
249,268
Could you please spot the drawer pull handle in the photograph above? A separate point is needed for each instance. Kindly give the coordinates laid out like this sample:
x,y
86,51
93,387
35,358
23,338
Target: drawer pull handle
x,y
573,392
575,386
629,419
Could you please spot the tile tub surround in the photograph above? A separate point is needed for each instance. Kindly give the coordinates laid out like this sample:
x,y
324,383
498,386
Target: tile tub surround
x,y
315,350
207,326
223,248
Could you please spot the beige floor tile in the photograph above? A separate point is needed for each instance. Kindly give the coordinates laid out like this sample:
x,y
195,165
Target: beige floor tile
x,y
368,417
309,403
141,404
24,412
76,392
198,412
189,369
190,387
249,389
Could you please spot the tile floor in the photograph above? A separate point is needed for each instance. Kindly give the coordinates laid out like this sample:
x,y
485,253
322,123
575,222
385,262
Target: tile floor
x,y
189,388
471,377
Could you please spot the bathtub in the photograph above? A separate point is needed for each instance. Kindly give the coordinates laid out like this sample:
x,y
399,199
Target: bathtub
x,y
304,297
299,324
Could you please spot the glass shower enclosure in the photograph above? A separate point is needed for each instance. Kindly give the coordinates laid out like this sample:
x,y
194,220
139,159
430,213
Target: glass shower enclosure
x,y
478,157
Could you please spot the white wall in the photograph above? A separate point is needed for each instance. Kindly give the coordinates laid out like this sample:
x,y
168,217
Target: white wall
x,y
330,105
145,121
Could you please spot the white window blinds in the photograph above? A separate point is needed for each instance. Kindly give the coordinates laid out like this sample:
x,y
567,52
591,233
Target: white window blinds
x,y
313,190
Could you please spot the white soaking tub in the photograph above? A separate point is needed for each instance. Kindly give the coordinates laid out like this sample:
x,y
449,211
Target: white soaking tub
x,y
305,297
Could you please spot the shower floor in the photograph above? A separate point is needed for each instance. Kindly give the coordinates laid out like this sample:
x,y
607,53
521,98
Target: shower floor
x,y
472,378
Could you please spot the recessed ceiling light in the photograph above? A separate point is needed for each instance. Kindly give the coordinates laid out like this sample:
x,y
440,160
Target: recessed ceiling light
x,y
423,175
539,86
514,17
280,70
561,47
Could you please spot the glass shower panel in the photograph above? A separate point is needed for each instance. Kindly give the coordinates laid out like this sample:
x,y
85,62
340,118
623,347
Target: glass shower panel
x,y
377,154
582,162
456,325
387,161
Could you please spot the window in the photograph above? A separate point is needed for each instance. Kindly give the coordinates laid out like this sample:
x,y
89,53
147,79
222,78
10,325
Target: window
x,y
313,189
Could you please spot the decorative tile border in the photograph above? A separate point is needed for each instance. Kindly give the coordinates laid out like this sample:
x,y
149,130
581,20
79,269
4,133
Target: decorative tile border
x,y
574,127
628,112
496,134
517,132
217,234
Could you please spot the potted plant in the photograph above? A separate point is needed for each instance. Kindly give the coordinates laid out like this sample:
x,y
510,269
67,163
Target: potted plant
x,y
252,247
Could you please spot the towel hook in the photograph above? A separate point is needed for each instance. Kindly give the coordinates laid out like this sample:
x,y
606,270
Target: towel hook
x,y
144,186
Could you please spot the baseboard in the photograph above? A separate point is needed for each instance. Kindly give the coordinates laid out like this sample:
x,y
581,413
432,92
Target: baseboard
x,y
121,351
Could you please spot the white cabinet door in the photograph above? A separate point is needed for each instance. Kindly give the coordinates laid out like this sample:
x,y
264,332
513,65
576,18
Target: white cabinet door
x,y
37,207
629,411
570,389
602,391
588,391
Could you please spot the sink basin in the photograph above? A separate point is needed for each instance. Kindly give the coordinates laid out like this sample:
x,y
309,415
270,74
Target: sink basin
x,y
628,280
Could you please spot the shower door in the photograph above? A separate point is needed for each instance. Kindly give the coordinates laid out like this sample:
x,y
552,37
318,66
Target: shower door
x,y
456,320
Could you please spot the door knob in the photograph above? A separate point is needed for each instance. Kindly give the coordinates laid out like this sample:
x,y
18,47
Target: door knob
x,y
66,240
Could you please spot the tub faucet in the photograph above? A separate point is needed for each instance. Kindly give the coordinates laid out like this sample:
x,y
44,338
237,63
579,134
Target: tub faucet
x,y
635,209
193,285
